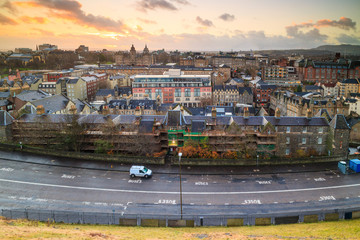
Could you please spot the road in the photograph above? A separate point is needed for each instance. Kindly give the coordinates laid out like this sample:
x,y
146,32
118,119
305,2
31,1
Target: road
x,y
54,187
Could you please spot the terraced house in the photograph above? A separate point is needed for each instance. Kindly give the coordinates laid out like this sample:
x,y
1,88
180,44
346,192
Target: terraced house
x,y
246,136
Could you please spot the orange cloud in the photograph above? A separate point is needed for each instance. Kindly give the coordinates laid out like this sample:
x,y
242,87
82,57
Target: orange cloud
x,y
39,20
27,4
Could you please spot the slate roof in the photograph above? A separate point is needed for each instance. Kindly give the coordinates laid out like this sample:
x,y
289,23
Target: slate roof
x,y
4,102
242,90
323,113
52,104
220,110
5,118
198,125
339,122
197,111
351,81
312,88
105,92
353,121
124,90
174,118
4,95
122,104
146,126
32,95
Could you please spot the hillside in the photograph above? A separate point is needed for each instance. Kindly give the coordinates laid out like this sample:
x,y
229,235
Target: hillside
x,y
344,49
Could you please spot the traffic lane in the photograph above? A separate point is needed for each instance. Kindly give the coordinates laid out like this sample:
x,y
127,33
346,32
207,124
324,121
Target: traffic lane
x,y
81,177
136,203
76,193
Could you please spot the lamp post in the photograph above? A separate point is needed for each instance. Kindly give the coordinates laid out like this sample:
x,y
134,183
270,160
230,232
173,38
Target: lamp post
x,y
180,154
257,160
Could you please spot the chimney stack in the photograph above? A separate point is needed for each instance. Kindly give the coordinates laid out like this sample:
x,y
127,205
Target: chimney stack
x,y
308,113
246,112
213,112
277,113
40,110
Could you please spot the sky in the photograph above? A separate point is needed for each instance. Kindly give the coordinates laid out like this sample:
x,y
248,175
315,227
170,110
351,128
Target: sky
x,y
184,25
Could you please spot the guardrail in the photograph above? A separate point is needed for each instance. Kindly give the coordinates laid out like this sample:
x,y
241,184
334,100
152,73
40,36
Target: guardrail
x,y
176,220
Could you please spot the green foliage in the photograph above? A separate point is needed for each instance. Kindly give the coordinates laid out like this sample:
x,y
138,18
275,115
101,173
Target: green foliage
x,y
102,146
329,142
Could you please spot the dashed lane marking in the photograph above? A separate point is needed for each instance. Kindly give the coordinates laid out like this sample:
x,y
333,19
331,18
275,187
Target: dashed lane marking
x,y
176,192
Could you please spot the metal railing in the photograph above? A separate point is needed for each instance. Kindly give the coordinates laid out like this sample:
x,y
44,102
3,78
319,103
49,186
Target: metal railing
x,y
158,220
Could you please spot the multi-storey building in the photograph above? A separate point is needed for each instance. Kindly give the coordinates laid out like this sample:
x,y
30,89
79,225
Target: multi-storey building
x,y
146,134
50,87
331,89
262,94
274,72
349,86
225,95
54,76
76,88
91,86
173,87
234,62
298,104
133,59
328,72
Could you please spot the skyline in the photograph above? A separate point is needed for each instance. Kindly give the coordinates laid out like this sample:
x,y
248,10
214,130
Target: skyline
x,y
178,24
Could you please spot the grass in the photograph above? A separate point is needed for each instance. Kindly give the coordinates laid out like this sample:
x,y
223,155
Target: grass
x,y
23,229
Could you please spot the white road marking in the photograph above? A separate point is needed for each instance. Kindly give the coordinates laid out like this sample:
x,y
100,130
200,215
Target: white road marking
x,y
7,169
68,176
226,204
187,193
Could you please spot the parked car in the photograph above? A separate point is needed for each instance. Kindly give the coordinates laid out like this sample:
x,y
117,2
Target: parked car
x,y
140,171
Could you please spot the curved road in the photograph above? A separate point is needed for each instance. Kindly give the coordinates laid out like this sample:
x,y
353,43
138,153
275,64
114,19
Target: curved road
x,y
43,186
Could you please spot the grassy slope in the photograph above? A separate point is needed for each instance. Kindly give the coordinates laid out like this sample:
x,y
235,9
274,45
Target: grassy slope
x,y
22,229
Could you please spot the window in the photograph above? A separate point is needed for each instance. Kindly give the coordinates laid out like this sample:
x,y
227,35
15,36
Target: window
x,y
288,129
321,129
320,140
287,140
304,130
287,151
303,141
177,92
197,92
187,92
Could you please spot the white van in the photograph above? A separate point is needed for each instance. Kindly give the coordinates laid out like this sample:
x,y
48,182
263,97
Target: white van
x,y
140,171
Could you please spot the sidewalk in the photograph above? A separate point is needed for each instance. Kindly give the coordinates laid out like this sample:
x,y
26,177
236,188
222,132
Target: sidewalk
x,y
166,169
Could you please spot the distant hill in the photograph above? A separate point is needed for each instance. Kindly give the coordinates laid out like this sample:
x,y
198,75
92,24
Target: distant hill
x,y
344,49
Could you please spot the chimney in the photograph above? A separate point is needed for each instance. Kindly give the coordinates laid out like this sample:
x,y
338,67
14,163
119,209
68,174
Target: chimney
x,y
40,110
308,113
106,110
277,113
246,112
138,111
73,109
213,112
128,101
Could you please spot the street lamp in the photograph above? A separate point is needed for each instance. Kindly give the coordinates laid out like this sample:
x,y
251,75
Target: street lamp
x,y
180,154
257,160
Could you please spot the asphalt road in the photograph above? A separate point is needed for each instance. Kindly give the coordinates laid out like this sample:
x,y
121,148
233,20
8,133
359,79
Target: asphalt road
x,y
35,182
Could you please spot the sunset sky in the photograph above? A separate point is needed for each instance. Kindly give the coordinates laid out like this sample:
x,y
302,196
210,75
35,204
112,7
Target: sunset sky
x,y
197,25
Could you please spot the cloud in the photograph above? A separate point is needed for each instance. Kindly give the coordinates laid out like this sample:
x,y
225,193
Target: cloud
x,y
71,10
184,2
43,32
227,17
312,35
343,23
348,39
145,5
9,6
204,22
146,21
4,20
39,20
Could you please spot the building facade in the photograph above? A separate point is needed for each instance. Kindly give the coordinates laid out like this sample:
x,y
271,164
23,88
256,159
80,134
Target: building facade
x,y
173,87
